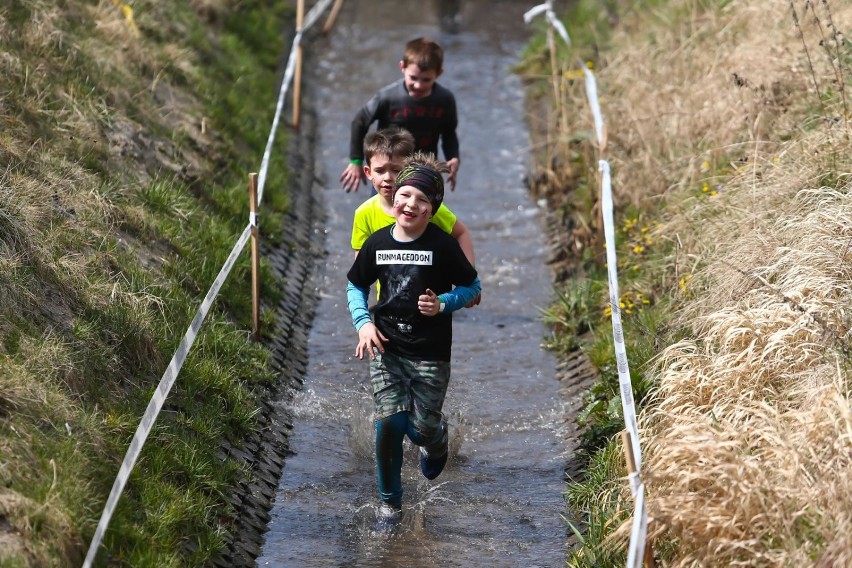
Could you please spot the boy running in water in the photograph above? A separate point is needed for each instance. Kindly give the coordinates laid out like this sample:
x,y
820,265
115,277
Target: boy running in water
x,y
384,152
407,335
416,103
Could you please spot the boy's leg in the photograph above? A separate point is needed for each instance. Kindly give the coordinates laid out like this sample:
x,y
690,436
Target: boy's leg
x,y
429,381
434,457
426,425
390,393
390,432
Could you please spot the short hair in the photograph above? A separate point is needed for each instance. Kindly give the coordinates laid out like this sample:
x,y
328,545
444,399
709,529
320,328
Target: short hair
x,y
425,53
391,141
427,159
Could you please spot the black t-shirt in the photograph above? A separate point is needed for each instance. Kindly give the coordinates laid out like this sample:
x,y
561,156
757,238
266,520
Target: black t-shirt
x,y
405,270
427,119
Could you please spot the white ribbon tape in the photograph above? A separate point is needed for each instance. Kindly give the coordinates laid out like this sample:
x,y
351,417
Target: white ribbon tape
x,y
626,387
547,8
638,532
530,14
282,94
591,86
635,481
159,397
314,13
168,379
310,19
592,96
557,24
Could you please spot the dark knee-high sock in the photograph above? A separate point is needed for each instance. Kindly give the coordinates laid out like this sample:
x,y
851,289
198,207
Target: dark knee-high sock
x,y
435,442
390,432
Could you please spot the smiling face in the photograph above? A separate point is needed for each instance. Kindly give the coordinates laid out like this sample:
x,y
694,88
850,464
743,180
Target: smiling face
x,y
418,82
412,210
382,172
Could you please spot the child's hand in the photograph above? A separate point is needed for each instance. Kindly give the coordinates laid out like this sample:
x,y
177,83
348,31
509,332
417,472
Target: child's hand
x,y
352,177
475,301
454,168
369,339
428,303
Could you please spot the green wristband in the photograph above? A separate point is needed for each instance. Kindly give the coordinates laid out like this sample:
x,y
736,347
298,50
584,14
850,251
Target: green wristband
x,y
356,162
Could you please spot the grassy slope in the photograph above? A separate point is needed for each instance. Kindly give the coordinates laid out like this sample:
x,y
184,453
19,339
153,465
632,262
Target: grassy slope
x,y
729,137
126,139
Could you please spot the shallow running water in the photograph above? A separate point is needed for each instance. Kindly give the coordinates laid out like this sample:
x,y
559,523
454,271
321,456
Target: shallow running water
x,y
499,501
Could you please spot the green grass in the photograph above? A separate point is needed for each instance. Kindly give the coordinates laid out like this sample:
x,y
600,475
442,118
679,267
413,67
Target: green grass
x,y
574,313
596,506
106,254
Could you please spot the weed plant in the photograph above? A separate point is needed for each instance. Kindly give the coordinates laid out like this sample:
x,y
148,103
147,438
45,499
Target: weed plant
x,y
128,133
729,140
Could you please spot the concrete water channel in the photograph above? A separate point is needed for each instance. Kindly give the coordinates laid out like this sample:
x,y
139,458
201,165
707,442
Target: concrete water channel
x,y
500,500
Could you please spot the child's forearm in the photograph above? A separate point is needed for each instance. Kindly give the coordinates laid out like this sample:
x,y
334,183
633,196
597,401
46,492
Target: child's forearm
x,y
466,244
460,296
357,298
463,236
359,127
450,144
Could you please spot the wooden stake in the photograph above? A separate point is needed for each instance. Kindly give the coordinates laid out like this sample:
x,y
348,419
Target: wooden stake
x,y
627,444
628,452
554,73
297,80
335,10
255,259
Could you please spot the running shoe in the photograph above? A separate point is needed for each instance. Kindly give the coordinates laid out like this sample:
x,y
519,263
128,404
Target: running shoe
x,y
432,466
387,517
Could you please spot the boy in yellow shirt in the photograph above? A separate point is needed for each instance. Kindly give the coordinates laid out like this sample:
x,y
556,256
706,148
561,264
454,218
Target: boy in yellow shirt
x,y
384,153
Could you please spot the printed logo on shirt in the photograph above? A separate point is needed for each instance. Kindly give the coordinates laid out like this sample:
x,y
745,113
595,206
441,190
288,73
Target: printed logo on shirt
x,y
419,257
420,111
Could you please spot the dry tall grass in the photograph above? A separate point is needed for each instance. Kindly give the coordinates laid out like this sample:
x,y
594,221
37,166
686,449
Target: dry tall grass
x,y
748,437
698,84
749,443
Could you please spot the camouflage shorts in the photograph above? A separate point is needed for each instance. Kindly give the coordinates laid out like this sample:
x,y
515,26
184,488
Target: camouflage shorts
x,y
418,387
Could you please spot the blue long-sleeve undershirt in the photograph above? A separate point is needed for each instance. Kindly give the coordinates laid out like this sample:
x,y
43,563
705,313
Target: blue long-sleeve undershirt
x,y
357,298
460,296
453,300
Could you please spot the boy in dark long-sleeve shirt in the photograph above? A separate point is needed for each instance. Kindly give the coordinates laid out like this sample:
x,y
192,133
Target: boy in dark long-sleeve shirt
x,y
416,103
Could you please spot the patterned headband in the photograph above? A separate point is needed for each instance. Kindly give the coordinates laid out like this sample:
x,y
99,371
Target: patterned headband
x,y
426,180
